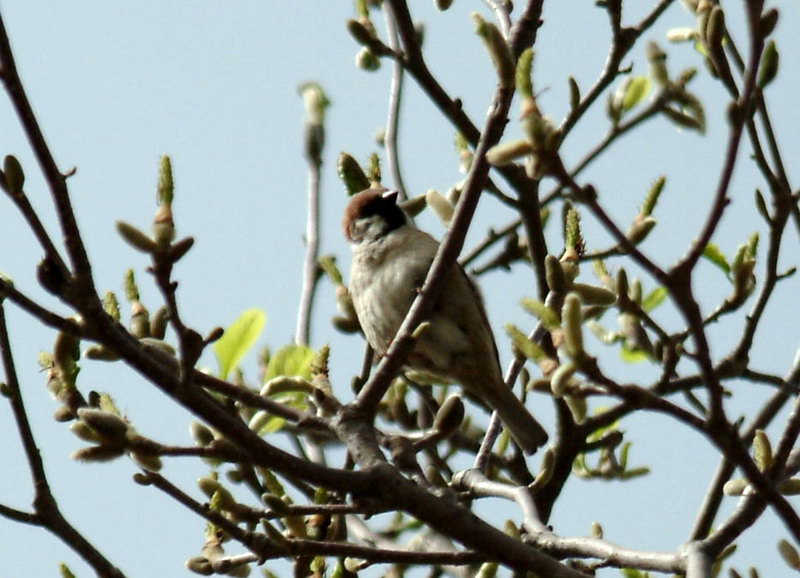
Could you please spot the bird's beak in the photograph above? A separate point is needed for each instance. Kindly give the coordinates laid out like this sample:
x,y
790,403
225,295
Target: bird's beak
x,y
391,196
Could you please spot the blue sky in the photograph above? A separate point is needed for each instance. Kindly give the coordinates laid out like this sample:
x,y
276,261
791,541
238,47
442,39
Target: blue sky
x,y
116,85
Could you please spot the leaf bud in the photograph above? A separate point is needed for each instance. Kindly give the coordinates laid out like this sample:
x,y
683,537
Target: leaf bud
x,y
259,421
208,485
574,93
201,434
505,153
179,249
97,454
768,22
367,60
441,206
449,417
640,229
715,29
735,487
498,50
136,238
414,206
163,227
111,429
345,324
790,487
100,353
159,322
577,407
13,175
200,565
151,463
562,378
524,68
593,295
789,554
361,32
352,175
763,450
770,60
622,283
573,332
166,185
546,469
84,432
158,344
63,414
554,274
111,305
287,384
658,63
682,35
66,349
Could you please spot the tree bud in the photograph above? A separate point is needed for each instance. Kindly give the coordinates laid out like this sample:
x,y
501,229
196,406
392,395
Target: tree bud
x,y
498,50
13,175
505,153
135,237
97,454
561,378
789,554
441,206
554,273
366,60
151,463
450,415
770,61
352,175
100,353
573,332
593,295
111,429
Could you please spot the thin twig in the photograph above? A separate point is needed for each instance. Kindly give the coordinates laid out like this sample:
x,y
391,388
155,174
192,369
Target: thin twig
x,y
56,181
391,137
46,508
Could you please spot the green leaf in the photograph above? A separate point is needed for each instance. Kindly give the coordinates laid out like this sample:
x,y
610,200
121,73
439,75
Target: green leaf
x,y
654,298
547,316
635,91
291,360
629,355
522,345
328,265
713,254
273,424
237,340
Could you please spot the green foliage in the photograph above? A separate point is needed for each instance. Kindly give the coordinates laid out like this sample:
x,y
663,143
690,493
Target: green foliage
x,y
635,91
713,254
547,316
237,340
291,360
522,345
655,298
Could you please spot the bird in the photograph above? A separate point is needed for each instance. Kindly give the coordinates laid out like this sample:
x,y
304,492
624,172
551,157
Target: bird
x,y
390,261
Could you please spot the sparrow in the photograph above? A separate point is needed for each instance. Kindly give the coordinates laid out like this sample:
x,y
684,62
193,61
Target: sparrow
x,y
391,258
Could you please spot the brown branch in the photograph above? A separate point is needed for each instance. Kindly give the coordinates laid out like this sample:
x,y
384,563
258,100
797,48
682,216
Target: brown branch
x,y
47,513
56,180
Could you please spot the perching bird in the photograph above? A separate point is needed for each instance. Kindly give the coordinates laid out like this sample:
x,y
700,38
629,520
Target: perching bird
x,y
391,258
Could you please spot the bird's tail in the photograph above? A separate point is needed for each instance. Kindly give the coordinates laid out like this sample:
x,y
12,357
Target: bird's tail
x,y
523,427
